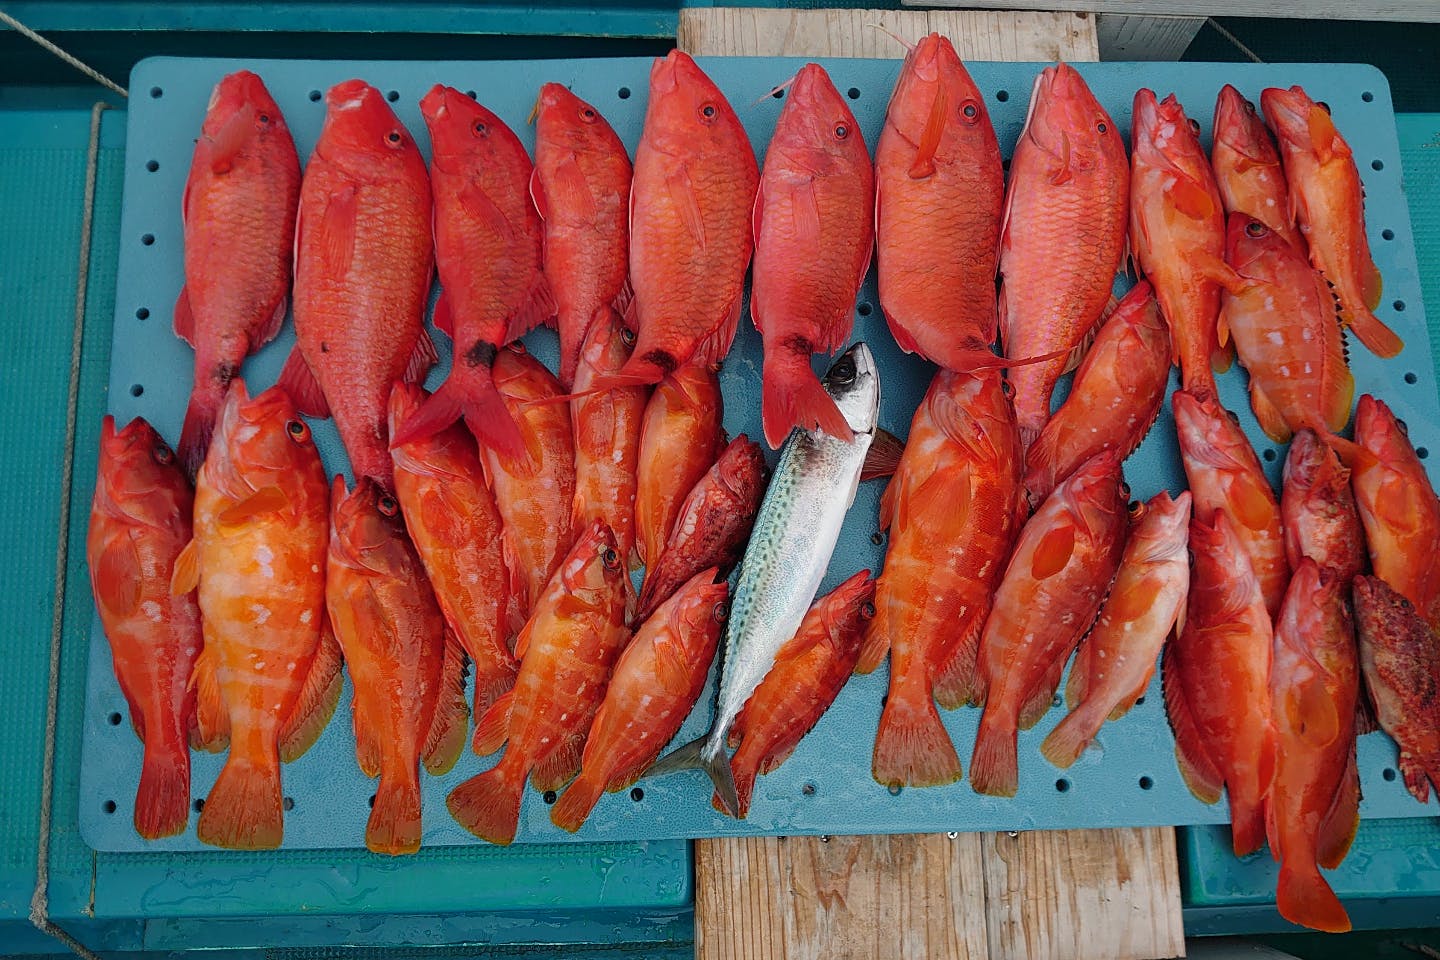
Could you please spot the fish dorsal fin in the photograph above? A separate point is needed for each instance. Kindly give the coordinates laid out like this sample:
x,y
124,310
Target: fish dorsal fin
x,y
116,576
924,163
687,205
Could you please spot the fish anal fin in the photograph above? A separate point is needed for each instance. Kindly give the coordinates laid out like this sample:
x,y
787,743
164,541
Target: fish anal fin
x,y
443,317
1197,769
539,308
493,729
212,720
1042,697
446,740
561,763
298,380
1271,420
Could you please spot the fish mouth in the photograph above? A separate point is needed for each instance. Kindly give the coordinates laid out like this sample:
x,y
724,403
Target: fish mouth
x,y
349,95
665,72
435,105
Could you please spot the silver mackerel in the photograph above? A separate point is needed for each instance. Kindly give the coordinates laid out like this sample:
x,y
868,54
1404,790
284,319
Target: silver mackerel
x,y
789,550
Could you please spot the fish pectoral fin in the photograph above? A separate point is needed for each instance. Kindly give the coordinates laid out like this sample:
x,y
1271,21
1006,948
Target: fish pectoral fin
x,y
1251,504
1053,551
443,317
269,499
186,574
227,143
924,163
883,457
1324,137
687,205
479,207
318,697
1213,268
298,380
798,645
1063,173
446,740
335,233
805,212
1127,606
116,576
1190,199
1310,713
671,667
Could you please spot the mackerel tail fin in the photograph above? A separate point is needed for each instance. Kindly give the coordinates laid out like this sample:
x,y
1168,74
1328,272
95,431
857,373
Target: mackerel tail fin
x,y
714,762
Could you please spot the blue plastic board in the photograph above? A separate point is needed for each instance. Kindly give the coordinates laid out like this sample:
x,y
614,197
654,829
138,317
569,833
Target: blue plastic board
x,y
1129,779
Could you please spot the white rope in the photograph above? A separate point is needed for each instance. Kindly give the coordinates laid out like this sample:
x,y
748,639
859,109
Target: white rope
x,y
75,62
1233,40
40,902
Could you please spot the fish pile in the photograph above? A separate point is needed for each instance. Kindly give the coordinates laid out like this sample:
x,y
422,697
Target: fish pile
x,y
496,525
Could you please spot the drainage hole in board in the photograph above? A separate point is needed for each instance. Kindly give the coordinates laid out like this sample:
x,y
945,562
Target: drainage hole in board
x,y
115,719
1002,95
863,308
853,93
1377,164
147,239
198,805
137,389
807,789
289,804
142,314
1387,234
778,93
1146,783
894,789
1062,785
152,165
315,96
472,94
1367,96
1422,452
549,797
372,801
1399,306
623,93
1269,456
1140,702
156,93
637,794
393,96
1388,774
1411,378
108,806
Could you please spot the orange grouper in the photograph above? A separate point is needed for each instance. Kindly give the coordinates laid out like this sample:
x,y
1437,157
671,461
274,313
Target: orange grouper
x,y
1247,167
679,440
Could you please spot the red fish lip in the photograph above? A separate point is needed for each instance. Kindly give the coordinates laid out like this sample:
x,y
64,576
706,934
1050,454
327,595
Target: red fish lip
x,y
435,105
350,95
665,72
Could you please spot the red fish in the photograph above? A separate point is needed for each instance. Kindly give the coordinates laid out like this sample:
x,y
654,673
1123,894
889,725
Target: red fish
x,y
269,676
1147,600
694,186
239,209
1329,203
454,523
1064,560
677,445
567,650
140,520
953,511
1177,226
1401,659
581,187
1317,509
607,429
1286,333
1114,398
1224,474
1397,506
1247,167
1062,237
712,526
814,226
409,675
488,247
1313,808
1217,680
655,684
807,676
363,259
536,502
939,188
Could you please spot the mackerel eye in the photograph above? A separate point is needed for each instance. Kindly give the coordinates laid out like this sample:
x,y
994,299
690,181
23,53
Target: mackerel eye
x,y
387,505
1136,510
610,558
867,611
721,612
298,431
1194,125
162,455
1255,229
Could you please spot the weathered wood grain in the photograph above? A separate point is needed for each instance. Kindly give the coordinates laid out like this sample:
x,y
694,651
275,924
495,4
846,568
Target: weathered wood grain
x,y
1145,38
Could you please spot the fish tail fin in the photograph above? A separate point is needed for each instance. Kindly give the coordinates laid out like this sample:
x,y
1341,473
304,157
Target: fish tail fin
x,y
245,809
792,396
1369,330
1302,896
995,764
912,747
394,826
717,766
686,757
471,395
575,804
488,804
200,416
1072,735
162,804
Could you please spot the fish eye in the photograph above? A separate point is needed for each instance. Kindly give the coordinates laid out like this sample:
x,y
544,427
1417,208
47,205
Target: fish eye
x,y
393,137
844,371
708,111
1323,105
588,113
1250,108
1101,126
1194,125
264,118
969,111
163,455
387,505
480,129
1404,427
867,611
610,558
627,336
1136,510
721,612
297,430
1255,229
841,131
1405,603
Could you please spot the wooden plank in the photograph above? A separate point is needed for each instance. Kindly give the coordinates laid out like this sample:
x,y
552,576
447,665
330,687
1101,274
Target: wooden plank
x,y
1083,895
802,898
924,896
1145,38
1414,11
977,35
